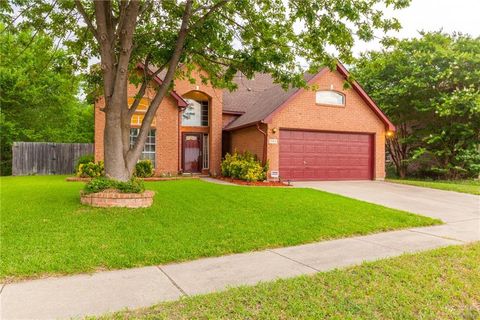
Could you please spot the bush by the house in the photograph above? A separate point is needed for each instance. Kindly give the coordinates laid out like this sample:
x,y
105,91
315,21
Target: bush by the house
x,y
244,166
144,169
84,160
91,170
100,184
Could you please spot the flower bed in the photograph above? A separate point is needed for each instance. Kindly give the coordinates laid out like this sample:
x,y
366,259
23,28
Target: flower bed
x,y
256,183
113,198
79,179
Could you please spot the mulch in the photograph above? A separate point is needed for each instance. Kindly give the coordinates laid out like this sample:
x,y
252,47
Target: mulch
x,y
257,183
77,179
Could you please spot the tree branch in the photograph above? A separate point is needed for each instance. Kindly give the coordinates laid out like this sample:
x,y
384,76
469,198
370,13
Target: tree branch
x,y
86,18
212,9
144,7
121,18
134,152
146,79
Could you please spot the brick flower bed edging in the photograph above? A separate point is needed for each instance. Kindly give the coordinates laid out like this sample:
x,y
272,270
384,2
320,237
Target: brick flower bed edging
x,y
77,179
113,198
74,179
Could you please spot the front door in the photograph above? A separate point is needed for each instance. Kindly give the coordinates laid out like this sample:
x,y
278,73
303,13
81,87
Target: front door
x,y
192,152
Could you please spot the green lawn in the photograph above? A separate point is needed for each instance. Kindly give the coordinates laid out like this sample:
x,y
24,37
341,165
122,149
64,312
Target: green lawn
x,y
465,186
438,284
45,229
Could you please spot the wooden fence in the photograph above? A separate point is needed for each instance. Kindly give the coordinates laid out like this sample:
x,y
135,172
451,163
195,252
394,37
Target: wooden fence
x,y
46,157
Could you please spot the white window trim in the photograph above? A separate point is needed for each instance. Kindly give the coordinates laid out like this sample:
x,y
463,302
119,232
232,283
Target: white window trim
x,y
344,98
146,142
202,104
205,151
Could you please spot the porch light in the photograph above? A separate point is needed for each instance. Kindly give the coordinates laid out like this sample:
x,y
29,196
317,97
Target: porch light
x,y
389,134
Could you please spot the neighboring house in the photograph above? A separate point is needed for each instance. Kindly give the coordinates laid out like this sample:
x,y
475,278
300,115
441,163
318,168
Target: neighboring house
x,y
329,133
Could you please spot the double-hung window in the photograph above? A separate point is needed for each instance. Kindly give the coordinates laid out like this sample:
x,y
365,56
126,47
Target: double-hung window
x,y
148,152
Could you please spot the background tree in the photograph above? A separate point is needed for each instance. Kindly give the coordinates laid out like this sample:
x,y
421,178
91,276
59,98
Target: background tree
x,y
219,36
430,88
38,94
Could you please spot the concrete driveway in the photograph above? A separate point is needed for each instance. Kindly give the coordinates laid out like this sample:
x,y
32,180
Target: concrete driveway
x,y
445,205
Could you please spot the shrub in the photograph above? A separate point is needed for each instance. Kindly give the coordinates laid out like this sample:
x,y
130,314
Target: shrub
x,y
144,169
84,160
91,170
132,186
244,167
100,184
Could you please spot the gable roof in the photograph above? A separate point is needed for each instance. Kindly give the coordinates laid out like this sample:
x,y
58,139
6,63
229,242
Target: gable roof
x,y
260,98
181,103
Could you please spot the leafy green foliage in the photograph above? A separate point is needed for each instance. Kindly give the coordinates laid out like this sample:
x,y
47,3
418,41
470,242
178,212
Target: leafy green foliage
x,y
244,167
223,36
220,37
430,88
42,220
84,160
99,184
134,185
144,169
38,93
91,170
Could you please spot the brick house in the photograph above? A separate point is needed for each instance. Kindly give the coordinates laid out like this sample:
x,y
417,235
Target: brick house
x,y
329,133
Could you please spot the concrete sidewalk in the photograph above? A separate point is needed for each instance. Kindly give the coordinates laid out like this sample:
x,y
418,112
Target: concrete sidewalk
x,y
102,292
82,295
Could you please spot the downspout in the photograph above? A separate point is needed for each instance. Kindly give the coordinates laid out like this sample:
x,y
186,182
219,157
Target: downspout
x,y
264,155
179,162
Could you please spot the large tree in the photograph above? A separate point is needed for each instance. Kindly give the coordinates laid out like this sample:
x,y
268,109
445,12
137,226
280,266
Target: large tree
x,y
220,36
38,94
430,88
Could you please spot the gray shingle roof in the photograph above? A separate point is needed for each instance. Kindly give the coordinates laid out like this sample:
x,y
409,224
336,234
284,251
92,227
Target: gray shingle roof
x,y
257,97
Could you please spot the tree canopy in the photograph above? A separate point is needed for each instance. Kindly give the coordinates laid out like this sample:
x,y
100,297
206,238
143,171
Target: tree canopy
x,y
38,94
220,36
430,88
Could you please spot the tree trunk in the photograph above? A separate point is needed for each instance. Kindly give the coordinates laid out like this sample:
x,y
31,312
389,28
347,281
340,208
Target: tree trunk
x,y
115,164
115,39
402,171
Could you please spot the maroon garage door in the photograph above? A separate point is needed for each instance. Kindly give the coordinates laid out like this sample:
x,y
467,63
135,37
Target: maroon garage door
x,y
309,155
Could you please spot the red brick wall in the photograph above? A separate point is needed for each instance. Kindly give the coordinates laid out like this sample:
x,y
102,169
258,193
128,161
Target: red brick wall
x,y
183,87
99,128
303,113
248,139
166,160
168,145
166,139
227,119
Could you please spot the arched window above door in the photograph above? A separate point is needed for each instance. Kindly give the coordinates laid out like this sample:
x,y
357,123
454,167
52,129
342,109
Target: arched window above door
x,y
196,114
